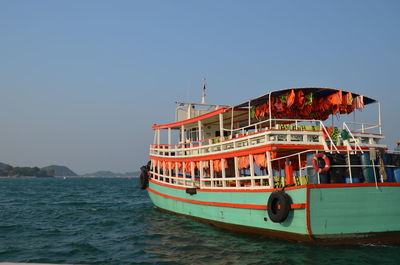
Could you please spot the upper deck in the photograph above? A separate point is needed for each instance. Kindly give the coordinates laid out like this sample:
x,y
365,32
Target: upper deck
x,y
291,118
275,128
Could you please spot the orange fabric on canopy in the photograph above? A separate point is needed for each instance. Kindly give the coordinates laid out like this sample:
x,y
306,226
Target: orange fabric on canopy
x,y
358,102
300,99
295,105
336,98
217,165
188,167
290,98
260,160
244,162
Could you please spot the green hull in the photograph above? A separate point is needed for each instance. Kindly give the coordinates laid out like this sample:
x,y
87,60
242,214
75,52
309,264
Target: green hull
x,y
335,214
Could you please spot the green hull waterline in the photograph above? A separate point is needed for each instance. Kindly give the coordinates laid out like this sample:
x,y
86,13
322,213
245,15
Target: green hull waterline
x,y
337,214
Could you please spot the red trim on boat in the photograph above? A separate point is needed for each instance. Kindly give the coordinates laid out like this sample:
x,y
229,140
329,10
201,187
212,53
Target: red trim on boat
x,y
298,205
308,212
231,205
194,119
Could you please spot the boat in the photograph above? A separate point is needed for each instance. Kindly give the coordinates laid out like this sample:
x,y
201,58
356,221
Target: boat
x,y
293,164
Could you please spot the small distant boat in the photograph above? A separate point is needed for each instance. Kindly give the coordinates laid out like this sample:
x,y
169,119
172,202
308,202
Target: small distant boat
x,y
65,177
273,166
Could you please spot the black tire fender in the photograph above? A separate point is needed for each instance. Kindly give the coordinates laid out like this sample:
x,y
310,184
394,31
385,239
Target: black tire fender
x,y
144,177
278,206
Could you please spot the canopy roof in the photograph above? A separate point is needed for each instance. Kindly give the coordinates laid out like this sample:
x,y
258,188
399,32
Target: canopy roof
x,y
318,92
209,118
305,103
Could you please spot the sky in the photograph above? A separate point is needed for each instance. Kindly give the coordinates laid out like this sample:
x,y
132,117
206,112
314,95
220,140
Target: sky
x,y
82,82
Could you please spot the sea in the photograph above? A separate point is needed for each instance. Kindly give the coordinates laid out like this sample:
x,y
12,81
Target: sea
x,y
112,221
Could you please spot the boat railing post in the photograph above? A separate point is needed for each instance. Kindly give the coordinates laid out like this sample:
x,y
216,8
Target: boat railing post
x,y
349,165
270,111
158,169
379,118
176,173
223,161
212,173
249,112
200,132
270,173
319,178
164,169
237,173
252,170
184,173
201,177
232,123
221,126
170,171
300,173
192,173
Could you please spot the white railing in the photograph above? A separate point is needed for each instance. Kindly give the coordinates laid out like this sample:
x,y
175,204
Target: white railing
x,y
271,180
356,144
364,127
253,182
262,137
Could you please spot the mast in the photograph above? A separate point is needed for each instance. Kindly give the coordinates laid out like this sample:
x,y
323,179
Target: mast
x,y
203,95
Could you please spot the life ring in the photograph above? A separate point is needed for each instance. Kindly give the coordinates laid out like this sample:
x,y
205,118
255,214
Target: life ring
x,y
144,177
326,161
278,206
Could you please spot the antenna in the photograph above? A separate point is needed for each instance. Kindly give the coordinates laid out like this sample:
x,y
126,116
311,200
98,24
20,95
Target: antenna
x,y
203,96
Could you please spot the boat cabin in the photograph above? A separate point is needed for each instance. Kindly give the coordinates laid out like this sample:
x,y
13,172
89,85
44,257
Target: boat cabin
x,y
283,138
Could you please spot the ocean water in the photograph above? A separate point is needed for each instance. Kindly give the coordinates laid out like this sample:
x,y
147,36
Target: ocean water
x,y
112,221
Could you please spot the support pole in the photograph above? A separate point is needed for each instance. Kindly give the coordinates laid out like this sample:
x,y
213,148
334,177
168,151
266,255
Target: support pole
x,y
232,124
200,125
183,134
201,170
252,170
169,137
249,112
269,167
221,126
237,175
379,117
223,161
270,111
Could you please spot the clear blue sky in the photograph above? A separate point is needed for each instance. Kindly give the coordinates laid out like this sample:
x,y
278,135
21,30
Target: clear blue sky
x,y
81,82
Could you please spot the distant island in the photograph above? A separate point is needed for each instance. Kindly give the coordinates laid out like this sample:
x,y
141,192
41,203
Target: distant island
x,y
10,171
55,171
60,171
109,174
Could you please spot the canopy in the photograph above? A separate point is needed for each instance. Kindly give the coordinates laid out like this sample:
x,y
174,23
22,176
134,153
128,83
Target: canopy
x,y
306,103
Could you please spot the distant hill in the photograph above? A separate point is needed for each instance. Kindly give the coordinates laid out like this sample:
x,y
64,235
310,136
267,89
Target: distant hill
x,y
3,166
60,171
10,171
110,174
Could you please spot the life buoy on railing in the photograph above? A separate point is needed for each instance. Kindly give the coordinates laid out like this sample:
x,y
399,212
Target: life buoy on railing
x,y
326,160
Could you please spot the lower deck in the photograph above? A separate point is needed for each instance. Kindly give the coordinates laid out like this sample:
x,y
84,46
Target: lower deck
x,y
327,213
